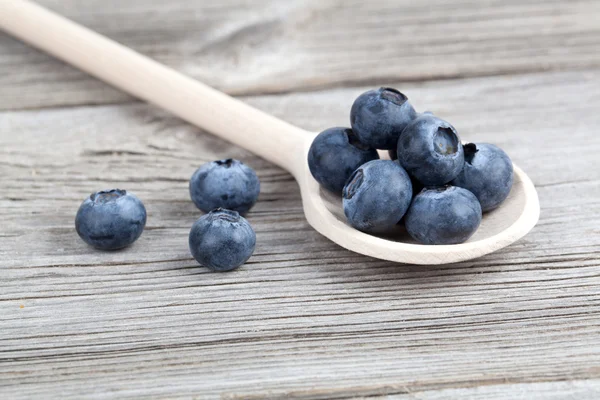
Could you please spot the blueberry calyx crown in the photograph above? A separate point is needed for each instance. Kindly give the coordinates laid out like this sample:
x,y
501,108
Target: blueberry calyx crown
x,y
353,140
393,95
437,189
104,196
353,184
470,149
225,214
445,141
227,162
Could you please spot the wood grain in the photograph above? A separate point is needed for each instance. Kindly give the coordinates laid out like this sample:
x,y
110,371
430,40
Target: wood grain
x,y
303,319
269,46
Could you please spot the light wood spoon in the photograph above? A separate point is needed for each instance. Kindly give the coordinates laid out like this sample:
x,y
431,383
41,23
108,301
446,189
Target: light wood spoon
x,y
273,139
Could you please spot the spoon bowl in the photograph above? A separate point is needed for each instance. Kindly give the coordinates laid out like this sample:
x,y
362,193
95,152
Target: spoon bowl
x,y
512,220
259,132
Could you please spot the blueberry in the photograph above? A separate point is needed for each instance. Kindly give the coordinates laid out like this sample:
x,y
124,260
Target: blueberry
x,y
379,116
111,219
416,185
334,155
377,196
222,240
443,215
393,153
430,150
487,173
227,184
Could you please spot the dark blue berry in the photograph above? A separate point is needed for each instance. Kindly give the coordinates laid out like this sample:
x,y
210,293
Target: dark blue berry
x,y
416,185
334,155
487,173
430,150
377,196
227,184
222,240
443,215
110,220
379,116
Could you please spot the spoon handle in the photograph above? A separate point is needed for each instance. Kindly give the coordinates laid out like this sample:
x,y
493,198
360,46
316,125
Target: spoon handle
x,y
269,137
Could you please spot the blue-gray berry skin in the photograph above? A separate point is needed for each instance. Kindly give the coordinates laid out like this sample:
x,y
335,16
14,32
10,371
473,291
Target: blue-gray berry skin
x,y
487,173
416,185
430,150
379,116
111,219
443,215
227,184
377,196
334,155
222,240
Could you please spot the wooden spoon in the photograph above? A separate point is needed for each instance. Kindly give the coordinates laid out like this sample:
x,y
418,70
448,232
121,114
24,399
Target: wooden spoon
x,y
261,133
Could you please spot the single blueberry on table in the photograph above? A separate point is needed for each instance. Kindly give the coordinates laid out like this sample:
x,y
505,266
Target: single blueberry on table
x,y
379,116
222,240
377,196
334,155
430,150
443,215
227,184
111,219
487,173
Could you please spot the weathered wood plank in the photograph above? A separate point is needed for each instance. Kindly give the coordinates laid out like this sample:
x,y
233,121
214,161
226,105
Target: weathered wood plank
x,y
269,46
304,319
572,390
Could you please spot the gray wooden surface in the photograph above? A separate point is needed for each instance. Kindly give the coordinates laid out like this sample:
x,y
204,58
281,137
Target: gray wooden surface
x,y
304,319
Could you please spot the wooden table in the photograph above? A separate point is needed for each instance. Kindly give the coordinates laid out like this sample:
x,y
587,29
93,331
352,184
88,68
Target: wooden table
x,y
304,319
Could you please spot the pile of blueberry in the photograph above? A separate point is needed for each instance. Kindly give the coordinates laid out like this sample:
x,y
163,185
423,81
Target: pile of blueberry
x,y
434,184
221,240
